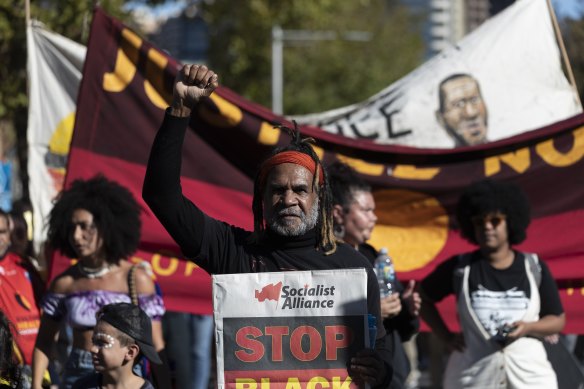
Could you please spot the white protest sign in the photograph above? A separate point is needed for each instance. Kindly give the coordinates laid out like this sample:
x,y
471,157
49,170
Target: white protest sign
x,y
289,328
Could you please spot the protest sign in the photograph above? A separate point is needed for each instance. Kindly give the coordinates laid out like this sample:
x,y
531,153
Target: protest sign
x,y
289,329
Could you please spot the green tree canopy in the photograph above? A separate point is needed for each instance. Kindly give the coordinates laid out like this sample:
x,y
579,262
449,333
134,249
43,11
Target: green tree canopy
x,y
70,18
318,75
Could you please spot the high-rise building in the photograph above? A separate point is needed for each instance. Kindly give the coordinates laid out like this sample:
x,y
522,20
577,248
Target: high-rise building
x,y
477,11
185,37
448,21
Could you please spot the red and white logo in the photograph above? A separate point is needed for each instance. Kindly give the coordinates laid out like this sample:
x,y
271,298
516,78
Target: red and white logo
x,y
269,292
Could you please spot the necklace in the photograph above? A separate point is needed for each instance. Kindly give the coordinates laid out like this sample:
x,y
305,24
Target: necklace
x,y
94,273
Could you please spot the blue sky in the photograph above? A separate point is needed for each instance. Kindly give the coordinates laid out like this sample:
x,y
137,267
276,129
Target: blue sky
x,y
568,8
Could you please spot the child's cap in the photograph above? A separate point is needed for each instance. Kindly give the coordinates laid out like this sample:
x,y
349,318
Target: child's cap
x,y
132,321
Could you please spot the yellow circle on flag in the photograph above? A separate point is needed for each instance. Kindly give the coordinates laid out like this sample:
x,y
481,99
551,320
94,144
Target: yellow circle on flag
x,y
412,225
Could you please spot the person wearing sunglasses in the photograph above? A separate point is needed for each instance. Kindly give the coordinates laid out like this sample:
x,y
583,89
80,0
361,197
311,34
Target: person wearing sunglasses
x,y
507,300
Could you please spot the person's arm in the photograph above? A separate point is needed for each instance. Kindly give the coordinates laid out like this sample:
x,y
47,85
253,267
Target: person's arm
x,y
412,300
432,317
160,373
433,289
407,322
547,325
53,312
162,188
42,349
552,317
370,365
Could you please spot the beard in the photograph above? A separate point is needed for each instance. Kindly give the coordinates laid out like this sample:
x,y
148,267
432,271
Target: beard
x,y
285,228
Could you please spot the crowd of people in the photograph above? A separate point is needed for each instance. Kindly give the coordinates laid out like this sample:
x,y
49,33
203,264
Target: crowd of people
x,y
307,216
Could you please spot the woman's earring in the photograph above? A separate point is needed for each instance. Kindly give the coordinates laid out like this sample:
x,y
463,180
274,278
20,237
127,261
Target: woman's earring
x,y
339,231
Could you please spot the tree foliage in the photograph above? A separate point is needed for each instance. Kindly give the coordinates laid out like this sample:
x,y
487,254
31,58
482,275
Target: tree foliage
x,y
13,54
70,18
318,75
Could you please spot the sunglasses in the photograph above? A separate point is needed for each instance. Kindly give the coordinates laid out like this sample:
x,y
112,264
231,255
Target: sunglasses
x,y
493,219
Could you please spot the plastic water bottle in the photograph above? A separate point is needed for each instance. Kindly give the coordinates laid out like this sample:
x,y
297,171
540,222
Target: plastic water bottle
x,y
385,273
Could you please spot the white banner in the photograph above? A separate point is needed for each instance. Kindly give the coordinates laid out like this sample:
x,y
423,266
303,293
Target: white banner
x,y
503,79
55,66
289,329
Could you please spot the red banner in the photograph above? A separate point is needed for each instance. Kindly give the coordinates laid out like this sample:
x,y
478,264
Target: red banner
x,y
127,85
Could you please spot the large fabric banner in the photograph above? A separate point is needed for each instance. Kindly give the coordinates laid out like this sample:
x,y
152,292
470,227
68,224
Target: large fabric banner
x,y
54,70
289,329
127,85
501,80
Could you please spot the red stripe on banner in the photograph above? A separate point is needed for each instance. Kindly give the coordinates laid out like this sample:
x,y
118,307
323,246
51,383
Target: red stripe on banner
x,y
563,254
185,286
573,301
236,211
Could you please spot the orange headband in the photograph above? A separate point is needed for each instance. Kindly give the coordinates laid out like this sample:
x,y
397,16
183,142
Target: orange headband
x,y
294,157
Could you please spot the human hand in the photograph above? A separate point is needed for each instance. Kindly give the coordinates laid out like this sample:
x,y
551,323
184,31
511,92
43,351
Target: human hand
x,y
519,329
552,339
390,306
367,367
413,298
191,83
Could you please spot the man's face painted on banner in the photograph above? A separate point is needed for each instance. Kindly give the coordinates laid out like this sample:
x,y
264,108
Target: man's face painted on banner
x,y
290,204
463,112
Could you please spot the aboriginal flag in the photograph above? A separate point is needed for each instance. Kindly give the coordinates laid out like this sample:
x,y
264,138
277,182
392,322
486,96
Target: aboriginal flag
x,y
127,85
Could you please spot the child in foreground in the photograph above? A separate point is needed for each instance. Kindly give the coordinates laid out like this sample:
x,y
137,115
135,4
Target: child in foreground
x,y
123,333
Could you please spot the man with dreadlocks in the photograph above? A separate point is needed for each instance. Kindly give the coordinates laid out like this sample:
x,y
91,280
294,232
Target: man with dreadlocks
x,y
292,215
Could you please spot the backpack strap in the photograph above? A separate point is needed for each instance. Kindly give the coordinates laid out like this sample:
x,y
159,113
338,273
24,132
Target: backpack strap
x,y
534,266
463,260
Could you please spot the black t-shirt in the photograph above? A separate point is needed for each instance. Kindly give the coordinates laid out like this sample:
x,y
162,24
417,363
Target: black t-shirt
x,y
94,381
498,296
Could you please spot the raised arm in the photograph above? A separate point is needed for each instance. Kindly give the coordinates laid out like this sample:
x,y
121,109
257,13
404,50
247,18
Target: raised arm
x,y
192,83
162,188
53,314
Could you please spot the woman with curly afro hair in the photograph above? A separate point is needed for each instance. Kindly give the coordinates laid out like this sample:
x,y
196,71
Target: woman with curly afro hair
x,y
507,300
96,221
